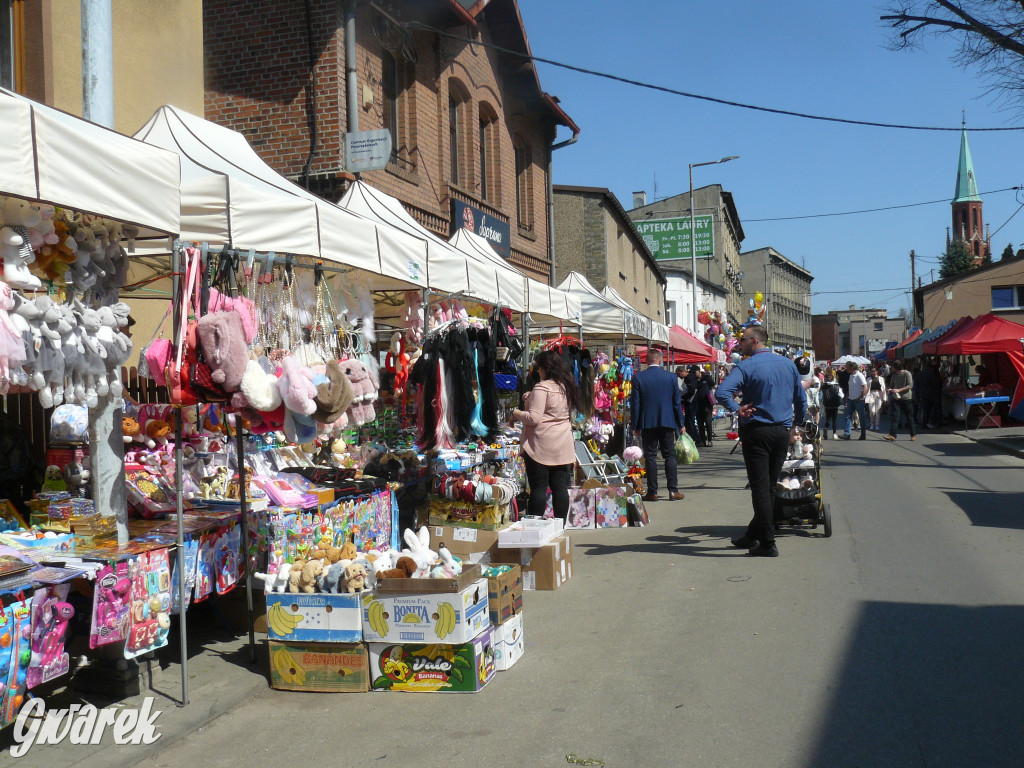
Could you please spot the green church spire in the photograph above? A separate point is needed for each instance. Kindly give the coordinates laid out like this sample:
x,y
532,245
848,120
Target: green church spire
x,y
966,187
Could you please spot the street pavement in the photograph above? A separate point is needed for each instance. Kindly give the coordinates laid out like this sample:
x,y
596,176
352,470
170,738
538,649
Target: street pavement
x,y
892,643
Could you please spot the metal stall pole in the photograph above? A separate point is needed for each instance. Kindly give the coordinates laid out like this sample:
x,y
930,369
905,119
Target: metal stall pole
x,y
176,323
243,502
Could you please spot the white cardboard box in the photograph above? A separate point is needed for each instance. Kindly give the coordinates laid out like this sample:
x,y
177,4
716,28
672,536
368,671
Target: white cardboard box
x,y
529,532
435,617
507,641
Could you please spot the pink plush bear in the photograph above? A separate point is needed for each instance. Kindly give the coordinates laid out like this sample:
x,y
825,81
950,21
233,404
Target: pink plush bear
x,y
296,387
364,392
222,337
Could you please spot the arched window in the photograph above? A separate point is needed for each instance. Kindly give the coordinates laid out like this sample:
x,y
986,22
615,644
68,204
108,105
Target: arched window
x,y
490,155
460,172
397,79
524,183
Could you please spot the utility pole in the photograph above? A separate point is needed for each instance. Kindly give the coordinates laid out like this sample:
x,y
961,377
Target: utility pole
x,y
913,282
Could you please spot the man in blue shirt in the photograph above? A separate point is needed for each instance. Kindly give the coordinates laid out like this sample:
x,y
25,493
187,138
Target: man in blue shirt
x,y
773,399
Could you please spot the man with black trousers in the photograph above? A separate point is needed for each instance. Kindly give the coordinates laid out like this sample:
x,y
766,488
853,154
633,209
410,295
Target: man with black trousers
x,y
656,416
773,400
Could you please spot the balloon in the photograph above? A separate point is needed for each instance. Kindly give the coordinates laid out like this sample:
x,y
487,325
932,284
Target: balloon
x,y
715,329
721,338
751,303
703,317
758,297
735,357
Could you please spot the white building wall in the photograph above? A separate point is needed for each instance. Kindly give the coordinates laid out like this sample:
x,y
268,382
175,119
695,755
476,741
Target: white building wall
x,y
679,301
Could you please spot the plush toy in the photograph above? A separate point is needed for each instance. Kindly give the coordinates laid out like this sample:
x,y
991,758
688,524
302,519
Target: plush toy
x,y
404,568
297,388
364,394
334,396
331,579
222,337
53,479
354,579
157,432
305,579
260,388
418,548
16,216
77,479
131,431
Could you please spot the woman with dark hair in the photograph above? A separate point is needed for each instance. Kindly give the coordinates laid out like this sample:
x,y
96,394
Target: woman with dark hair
x,y
546,443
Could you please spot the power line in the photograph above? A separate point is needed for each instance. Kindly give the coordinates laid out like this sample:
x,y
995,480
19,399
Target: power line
x,y
686,94
872,210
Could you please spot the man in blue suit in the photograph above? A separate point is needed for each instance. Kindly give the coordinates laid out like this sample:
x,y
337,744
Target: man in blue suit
x,y
656,418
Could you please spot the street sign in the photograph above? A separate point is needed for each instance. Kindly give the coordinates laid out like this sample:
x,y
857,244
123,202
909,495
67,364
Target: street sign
x,y
367,150
670,238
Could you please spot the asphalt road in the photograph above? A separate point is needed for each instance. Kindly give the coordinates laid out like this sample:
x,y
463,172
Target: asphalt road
x,y
894,643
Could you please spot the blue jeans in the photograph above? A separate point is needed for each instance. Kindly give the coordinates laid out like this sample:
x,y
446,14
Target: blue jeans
x,y
858,406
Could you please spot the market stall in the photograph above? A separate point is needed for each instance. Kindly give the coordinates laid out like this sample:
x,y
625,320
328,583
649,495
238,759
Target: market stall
x,y
603,318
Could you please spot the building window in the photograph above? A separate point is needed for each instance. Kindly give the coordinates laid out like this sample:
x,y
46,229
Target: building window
x,y
1008,297
524,184
878,326
458,108
397,80
12,28
490,156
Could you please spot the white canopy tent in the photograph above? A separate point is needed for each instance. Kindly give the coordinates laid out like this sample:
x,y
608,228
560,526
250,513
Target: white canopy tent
x,y
602,317
57,158
543,302
451,270
230,196
644,326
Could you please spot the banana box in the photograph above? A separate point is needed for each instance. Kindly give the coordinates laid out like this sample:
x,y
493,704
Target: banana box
x,y
462,668
436,617
314,618
507,641
327,667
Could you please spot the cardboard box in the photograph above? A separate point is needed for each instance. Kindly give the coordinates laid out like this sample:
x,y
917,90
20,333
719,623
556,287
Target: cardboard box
x,y
505,595
544,568
468,514
314,618
328,667
470,573
413,668
451,618
508,643
465,543
529,532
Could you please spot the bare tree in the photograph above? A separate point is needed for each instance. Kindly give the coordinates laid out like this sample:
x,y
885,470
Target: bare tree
x,y
989,35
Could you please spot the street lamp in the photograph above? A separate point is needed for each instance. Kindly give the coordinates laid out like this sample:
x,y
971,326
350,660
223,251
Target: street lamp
x,y
693,240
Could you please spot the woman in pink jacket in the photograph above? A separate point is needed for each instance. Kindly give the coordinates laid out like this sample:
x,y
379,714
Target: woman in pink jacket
x,y
546,442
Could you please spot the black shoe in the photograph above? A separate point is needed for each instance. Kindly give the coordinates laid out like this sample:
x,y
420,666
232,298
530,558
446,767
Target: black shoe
x,y
744,542
863,437
770,551
844,437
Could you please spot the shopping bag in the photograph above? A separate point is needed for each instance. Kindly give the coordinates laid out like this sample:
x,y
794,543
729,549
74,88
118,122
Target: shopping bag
x,y
686,450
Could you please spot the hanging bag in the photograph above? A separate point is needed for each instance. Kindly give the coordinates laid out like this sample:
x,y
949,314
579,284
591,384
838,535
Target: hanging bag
x,y
157,354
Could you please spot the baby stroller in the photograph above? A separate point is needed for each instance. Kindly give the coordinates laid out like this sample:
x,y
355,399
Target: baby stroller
x,y
798,493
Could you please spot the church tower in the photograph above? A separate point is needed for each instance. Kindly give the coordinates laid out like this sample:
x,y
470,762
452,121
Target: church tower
x,y
968,226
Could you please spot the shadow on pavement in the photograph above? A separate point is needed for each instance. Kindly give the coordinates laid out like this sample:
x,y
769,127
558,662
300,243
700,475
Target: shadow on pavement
x,y
695,541
990,509
932,685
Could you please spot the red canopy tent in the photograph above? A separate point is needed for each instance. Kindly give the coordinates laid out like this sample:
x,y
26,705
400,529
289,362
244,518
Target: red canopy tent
x,y
683,348
930,347
891,352
990,334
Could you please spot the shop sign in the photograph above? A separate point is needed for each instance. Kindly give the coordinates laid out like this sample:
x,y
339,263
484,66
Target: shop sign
x,y
670,238
494,231
367,150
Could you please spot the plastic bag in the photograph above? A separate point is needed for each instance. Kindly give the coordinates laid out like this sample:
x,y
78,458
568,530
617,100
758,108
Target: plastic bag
x,y
686,450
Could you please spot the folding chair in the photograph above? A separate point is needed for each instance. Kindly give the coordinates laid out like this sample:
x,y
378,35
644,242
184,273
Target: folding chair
x,y
599,468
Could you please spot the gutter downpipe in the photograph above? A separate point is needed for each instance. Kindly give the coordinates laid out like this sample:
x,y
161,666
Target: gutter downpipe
x,y
351,80
551,201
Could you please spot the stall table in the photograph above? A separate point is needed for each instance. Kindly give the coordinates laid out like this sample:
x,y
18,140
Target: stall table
x,y
987,407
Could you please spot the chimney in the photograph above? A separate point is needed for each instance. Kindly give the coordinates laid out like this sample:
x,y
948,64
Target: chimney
x,y
639,199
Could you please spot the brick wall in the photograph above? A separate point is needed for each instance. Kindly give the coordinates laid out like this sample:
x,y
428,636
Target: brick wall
x,y
257,83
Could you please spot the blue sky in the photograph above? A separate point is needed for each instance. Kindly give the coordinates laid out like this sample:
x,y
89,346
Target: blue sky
x,y
822,58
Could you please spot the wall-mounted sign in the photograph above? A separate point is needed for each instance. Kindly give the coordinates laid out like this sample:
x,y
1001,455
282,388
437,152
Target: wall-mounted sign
x,y
367,150
670,238
496,232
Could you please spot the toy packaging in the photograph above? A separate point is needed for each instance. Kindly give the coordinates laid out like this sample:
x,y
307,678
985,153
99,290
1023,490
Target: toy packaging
x,y
15,657
206,571
150,602
191,556
110,605
148,494
227,550
51,613
612,510
464,668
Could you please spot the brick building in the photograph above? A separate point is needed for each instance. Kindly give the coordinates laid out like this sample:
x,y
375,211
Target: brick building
x,y
825,337
595,237
470,125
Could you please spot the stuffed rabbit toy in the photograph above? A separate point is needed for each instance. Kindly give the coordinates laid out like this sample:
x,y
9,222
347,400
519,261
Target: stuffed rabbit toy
x,y
418,548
